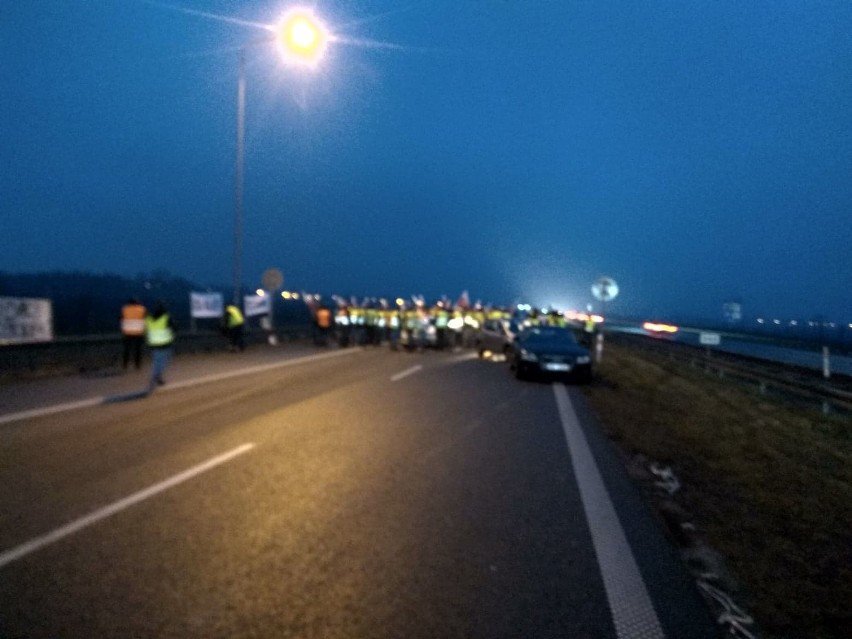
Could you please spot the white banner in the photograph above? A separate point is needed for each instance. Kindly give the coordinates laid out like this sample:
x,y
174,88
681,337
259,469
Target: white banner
x,y
257,305
24,319
207,304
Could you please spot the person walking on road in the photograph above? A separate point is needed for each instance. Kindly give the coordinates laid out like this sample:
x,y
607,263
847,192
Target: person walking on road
x,y
160,334
234,327
132,331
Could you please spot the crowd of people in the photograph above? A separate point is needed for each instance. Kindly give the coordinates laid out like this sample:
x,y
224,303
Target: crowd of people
x,y
418,325
411,326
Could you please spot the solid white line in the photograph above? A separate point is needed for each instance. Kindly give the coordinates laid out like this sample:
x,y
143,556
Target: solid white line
x,y
406,373
103,399
39,542
630,604
49,410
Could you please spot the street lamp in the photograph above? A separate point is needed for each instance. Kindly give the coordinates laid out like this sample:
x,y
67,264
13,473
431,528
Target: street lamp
x,y
302,40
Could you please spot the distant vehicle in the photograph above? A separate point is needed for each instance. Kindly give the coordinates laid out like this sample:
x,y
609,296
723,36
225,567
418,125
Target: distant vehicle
x,y
496,337
550,351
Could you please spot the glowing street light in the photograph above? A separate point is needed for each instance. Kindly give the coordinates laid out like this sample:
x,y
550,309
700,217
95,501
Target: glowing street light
x,y
302,40
301,37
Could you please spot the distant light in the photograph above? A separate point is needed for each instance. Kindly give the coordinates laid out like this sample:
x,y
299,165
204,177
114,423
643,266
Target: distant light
x,y
793,323
760,320
295,296
260,292
777,321
400,301
850,326
597,319
286,295
659,328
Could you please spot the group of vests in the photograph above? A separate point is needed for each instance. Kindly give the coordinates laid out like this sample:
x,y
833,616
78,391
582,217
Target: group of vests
x,y
135,322
413,318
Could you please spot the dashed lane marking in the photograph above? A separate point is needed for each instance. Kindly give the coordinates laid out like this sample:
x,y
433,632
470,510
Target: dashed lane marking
x,y
31,546
407,372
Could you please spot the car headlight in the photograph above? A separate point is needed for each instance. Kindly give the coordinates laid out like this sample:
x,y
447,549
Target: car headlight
x,y
584,359
528,356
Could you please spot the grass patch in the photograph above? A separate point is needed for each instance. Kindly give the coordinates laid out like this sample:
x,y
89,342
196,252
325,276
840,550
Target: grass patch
x,y
769,485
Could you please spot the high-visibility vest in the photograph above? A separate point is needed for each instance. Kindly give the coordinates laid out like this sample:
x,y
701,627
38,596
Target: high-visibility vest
x,y
133,319
158,331
235,316
324,318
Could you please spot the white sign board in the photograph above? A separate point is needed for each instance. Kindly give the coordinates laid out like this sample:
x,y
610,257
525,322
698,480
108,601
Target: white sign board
x,y
257,305
25,319
206,305
710,339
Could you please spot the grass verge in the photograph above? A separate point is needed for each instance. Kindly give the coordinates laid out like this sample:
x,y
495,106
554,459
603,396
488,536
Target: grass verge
x,y
768,485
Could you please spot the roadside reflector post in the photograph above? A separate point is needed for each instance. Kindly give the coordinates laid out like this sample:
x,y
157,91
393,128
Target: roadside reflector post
x,y
826,363
599,340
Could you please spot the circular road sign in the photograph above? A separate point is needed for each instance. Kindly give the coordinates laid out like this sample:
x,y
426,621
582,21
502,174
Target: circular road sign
x,y
605,289
272,280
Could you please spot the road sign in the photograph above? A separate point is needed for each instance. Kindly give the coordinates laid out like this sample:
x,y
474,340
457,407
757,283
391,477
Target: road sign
x,y
710,339
272,280
605,289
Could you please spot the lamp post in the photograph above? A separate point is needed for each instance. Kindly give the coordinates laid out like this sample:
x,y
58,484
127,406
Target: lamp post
x,y
302,39
238,181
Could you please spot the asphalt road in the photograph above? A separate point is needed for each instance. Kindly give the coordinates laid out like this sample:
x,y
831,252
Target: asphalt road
x,y
365,494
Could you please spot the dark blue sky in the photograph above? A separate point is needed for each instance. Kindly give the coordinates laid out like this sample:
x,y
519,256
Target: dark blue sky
x,y
694,151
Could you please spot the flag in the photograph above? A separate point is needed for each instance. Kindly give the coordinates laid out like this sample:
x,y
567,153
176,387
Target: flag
x,y
463,301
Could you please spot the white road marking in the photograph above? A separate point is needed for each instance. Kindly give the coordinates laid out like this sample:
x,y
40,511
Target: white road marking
x,y
464,358
406,373
107,399
31,546
254,369
50,410
630,604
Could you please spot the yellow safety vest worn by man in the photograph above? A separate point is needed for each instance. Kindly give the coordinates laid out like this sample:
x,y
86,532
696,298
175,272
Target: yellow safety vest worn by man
x,y
235,316
234,322
159,332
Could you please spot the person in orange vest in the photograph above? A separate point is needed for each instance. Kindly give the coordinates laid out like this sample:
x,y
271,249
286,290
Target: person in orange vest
x,y
323,322
133,331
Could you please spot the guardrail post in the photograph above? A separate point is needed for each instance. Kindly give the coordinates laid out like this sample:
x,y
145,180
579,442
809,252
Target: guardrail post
x,y
826,363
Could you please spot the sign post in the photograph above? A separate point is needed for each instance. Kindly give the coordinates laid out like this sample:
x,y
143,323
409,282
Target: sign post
x,y
273,279
604,289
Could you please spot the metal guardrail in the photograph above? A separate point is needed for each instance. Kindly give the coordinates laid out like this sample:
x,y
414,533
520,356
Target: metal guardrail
x,y
791,382
93,353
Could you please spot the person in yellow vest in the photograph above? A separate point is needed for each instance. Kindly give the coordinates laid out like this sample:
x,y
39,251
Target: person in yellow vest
x,y
441,317
234,327
133,331
160,335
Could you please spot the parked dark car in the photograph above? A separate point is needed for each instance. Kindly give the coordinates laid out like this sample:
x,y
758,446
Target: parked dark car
x,y
550,351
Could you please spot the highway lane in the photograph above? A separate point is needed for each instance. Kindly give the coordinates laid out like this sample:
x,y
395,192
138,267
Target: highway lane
x,y
375,495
